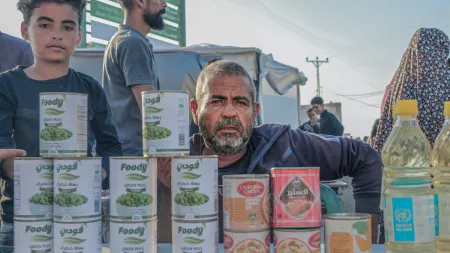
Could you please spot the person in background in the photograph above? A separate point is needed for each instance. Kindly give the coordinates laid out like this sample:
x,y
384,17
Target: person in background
x,y
374,131
313,124
14,51
329,124
129,68
53,29
225,109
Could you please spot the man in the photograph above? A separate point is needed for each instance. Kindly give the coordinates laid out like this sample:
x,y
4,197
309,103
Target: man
x,y
13,52
225,108
329,124
312,125
129,69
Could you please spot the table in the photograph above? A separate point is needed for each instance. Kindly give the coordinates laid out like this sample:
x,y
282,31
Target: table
x,y
167,248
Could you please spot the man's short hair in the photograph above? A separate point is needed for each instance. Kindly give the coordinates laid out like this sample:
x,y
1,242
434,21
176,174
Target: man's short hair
x,y
317,101
310,110
128,4
27,7
222,67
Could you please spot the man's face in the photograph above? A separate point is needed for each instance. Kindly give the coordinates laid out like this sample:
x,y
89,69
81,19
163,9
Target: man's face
x,y
153,14
225,114
53,32
317,108
311,115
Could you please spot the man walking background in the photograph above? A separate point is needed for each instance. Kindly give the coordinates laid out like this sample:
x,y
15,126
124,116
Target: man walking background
x,y
329,124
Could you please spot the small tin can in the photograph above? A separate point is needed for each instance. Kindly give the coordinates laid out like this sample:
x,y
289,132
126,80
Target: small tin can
x,y
246,202
165,122
85,236
348,232
33,236
134,196
133,237
194,187
63,118
33,188
297,240
77,188
256,241
197,236
296,197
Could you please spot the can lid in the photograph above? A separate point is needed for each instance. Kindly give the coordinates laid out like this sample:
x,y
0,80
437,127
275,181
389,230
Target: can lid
x,y
407,107
63,93
194,156
33,158
132,222
77,158
77,221
246,176
165,91
347,216
129,157
196,220
32,220
295,168
297,230
246,232
447,109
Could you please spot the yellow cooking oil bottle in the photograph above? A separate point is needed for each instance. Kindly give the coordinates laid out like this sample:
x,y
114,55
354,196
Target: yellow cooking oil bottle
x,y
408,199
440,161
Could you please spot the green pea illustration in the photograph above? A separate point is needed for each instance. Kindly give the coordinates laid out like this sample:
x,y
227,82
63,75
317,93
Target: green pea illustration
x,y
70,199
42,198
55,134
134,199
156,132
187,198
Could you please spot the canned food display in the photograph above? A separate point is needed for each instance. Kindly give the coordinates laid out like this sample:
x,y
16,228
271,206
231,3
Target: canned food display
x,y
133,197
194,187
133,237
348,232
77,237
194,237
296,197
63,124
297,240
33,236
77,188
243,242
165,122
33,188
246,202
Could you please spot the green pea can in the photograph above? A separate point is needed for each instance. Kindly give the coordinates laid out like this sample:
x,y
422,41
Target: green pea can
x,y
134,191
194,237
33,188
77,189
165,123
63,124
194,187
33,236
75,237
134,237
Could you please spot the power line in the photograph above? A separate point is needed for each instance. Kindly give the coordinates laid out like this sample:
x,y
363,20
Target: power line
x,y
317,64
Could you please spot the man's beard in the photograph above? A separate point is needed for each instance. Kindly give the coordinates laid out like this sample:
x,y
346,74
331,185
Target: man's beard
x,y
228,144
155,21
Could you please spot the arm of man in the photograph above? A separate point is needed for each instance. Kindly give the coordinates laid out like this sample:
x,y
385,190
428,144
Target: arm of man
x,y
108,143
27,56
338,157
7,114
337,125
136,62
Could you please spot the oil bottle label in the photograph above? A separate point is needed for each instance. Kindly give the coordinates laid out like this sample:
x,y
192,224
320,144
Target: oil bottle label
x,y
410,219
442,215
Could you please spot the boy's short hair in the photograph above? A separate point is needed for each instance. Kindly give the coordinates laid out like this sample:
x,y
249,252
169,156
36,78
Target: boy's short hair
x,y
317,101
28,6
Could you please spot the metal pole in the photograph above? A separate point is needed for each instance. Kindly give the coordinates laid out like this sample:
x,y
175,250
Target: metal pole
x,y
298,105
317,64
318,80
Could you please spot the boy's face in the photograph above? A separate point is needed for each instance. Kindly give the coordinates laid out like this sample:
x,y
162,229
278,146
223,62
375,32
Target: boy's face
x,y
53,32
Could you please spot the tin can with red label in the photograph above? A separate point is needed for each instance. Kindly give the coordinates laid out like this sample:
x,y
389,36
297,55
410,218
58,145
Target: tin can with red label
x,y
297,240
237,242
296,197
246,204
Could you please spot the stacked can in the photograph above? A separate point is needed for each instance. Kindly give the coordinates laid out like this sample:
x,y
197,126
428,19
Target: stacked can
x,y
195,226
133,204
77,204
33,205
246,213
296,210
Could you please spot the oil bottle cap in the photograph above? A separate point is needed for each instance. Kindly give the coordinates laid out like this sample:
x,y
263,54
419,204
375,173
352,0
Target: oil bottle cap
x,y
447,108
407,107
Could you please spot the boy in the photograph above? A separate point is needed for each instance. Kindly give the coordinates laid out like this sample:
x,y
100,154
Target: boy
x,y
53,29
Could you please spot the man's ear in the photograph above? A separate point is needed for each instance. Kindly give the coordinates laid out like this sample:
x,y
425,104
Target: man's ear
x,y
141,3
24,31
194,110
80,36
256,108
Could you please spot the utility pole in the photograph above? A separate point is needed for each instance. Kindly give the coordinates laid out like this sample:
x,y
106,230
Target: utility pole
x,y
317,64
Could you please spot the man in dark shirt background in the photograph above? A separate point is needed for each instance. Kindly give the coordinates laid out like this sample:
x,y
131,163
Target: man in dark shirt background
x,y
329,124
14,51
313,124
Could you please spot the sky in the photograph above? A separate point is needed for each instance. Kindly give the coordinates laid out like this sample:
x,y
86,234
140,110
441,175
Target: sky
x,y
363,39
